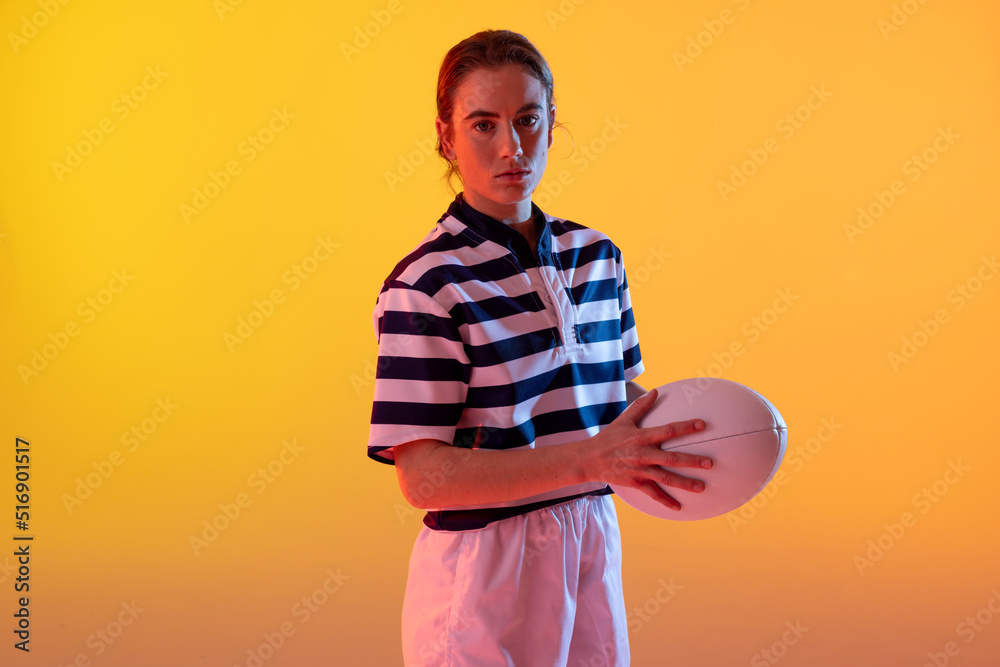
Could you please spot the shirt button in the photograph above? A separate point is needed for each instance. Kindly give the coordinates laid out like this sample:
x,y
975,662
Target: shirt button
x,y
547,299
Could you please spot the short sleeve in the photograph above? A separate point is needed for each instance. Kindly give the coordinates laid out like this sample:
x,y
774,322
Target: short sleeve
x,y
630,337
422,371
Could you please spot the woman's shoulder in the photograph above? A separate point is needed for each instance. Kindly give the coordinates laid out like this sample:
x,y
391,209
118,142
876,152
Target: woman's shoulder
x,y
569,233
433,255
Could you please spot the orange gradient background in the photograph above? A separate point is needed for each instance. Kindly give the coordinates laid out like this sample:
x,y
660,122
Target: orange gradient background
x,y
342,183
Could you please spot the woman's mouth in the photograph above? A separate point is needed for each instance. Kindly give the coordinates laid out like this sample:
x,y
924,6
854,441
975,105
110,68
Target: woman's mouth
x,y
516,175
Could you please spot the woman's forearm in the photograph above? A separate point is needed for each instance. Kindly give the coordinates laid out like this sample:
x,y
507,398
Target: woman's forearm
x,y
434,474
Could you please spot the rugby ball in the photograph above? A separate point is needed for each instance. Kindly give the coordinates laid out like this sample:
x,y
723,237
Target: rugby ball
x,y
744,435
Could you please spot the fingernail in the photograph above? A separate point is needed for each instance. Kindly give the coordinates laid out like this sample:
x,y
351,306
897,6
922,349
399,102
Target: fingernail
x,y
699,486
707,463
699,425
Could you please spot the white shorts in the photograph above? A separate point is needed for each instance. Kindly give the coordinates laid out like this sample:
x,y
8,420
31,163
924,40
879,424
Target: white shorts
x,y
539,589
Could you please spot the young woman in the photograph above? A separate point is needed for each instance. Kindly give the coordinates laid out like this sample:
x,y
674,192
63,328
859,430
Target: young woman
x,y
504,393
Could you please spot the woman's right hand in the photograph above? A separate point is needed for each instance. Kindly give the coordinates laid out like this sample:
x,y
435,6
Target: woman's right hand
x,y
623,454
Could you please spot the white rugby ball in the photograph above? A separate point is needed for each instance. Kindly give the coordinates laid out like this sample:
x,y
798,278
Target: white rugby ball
x,y
744,435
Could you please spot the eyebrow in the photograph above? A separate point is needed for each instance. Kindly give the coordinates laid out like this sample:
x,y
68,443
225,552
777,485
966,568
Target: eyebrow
x,y
479,113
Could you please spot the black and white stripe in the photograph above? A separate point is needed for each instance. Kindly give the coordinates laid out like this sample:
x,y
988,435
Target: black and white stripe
x,y
479,344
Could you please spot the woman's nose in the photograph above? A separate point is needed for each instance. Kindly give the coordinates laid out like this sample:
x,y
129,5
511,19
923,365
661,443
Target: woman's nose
x,y
511,146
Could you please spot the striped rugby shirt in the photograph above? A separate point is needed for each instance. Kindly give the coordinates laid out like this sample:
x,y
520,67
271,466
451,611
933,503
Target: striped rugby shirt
x,y
480,346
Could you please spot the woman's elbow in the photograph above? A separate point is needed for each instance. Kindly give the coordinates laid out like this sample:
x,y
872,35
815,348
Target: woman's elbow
x,y
420,479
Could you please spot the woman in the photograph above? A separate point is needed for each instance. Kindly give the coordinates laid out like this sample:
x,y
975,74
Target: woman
x,y
506,341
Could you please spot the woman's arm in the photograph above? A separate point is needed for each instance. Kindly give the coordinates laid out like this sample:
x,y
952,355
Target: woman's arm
x,y
433,473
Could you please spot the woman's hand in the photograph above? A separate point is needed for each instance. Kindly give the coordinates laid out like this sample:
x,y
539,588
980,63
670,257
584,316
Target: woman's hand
x,y
624,454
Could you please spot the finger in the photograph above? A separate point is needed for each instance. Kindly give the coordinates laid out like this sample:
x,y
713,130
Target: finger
x,y
672,479
675,429
639,406
674,459
644,401
657,493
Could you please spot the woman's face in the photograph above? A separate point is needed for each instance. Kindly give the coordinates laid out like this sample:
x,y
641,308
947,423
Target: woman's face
x,y
500,125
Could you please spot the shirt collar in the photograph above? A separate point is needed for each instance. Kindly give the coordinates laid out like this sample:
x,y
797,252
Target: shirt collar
x,y
503,234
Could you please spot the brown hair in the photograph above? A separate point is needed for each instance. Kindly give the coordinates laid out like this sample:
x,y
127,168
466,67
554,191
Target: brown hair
x,y
488,49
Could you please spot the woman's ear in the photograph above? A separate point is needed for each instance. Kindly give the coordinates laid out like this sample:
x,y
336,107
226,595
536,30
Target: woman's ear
x,y
552,122
444,135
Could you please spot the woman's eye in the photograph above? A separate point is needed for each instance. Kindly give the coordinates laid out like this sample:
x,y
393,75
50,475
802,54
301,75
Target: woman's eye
x,y
529,120
481,126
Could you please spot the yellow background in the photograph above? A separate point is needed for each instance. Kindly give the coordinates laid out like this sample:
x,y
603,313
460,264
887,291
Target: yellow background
x,y
333,517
